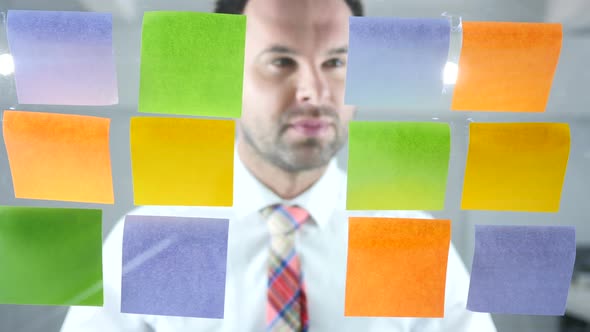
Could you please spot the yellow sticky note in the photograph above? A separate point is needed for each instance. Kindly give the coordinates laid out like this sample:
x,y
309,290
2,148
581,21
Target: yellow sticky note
x,y
516,166
178,161
59,157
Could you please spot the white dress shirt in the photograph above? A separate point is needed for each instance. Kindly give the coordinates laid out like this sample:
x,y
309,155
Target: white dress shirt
x,y
322,246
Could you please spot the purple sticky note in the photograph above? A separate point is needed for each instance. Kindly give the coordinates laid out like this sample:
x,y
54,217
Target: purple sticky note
x,y
396,62
174,266
63,58
523,270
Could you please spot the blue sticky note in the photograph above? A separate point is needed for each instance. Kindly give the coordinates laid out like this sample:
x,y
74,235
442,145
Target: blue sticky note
x,y
523,270
63,58
174,266
396,62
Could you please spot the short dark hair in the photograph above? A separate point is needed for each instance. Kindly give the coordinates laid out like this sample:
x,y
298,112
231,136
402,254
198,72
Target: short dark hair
x,y
237,6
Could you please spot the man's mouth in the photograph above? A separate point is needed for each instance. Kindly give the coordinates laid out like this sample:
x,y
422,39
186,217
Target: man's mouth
x,y
310,127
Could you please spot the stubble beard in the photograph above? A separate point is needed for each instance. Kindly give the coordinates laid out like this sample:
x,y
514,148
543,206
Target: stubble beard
x,y
297,157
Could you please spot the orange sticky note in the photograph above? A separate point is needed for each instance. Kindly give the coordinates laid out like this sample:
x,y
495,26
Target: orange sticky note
x,y
396,267
506,67
59,157
182,161
516,166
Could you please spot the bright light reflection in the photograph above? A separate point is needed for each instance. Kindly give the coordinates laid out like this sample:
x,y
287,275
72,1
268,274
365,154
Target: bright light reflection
x,y
6,64
450,73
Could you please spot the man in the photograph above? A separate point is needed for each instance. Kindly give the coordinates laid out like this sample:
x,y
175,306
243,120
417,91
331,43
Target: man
x,y
293,123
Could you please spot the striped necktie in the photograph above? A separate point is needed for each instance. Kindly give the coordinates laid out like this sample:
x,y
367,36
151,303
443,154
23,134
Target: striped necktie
x,y
286,308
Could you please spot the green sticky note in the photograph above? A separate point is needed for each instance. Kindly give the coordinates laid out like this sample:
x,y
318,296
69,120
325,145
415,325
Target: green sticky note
x,y
397,165
192,63
50,256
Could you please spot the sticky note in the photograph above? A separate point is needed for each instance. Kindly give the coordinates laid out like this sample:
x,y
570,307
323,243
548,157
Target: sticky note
x,y
192,63
523,270
179,161
515,166
50,256
396,267
506,67
174,266
59,156
63,58
397,165
396,62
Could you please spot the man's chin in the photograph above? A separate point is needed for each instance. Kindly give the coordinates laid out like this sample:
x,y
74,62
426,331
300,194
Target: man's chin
x,y
299,165
307,156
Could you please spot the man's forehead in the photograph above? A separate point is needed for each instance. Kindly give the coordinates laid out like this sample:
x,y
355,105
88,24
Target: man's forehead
x,y
288,26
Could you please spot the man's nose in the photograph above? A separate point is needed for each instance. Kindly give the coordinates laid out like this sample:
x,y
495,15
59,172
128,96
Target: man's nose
x,y
312,86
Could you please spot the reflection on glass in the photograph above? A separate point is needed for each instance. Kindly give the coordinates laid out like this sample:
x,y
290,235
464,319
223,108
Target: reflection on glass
x,y
6,64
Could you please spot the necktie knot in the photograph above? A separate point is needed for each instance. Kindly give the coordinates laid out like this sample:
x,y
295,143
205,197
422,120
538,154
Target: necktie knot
x,y
284,219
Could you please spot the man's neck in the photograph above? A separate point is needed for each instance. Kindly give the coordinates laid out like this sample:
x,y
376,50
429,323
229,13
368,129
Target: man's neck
x,y
285,184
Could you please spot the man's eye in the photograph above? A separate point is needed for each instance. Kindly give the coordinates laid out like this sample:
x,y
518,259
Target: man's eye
x,y
334,63
283,62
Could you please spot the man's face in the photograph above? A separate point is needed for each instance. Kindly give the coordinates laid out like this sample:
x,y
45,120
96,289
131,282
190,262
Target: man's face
x,y
294,75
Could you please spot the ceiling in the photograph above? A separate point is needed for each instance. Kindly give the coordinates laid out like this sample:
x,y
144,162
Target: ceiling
x,y
569,96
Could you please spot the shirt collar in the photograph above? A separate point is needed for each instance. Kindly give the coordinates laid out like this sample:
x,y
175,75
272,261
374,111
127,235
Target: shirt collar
x,y
319,200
